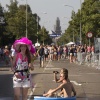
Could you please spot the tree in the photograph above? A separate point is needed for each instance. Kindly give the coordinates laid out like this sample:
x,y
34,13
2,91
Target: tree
x,y
44,36
3,36
15,18
89,17
17,22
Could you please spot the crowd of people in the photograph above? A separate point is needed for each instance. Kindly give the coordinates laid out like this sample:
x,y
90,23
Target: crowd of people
x,y
4,54
55,53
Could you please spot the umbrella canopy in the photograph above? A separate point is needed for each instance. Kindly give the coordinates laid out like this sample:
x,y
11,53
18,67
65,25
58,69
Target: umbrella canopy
x,y
70,43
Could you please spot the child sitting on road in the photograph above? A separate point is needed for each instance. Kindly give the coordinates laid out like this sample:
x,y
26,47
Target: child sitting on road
x,y
66,86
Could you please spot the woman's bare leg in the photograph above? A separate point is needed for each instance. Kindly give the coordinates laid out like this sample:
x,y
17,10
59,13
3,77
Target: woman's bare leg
x,y
17,93
24,93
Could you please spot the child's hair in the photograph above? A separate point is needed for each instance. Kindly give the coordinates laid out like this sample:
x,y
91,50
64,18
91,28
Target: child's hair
x,y
65,75
64,70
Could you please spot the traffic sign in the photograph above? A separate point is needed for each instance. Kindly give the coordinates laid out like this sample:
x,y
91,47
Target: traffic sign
x,y
89,35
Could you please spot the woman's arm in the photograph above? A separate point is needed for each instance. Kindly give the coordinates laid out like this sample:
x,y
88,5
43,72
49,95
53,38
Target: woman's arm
x,y
58,88
31,67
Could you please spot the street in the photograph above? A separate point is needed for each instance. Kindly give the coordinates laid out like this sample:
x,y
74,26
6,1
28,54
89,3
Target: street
x,y
85,80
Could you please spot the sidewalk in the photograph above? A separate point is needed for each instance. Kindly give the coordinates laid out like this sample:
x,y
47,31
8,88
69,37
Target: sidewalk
x,y
4,66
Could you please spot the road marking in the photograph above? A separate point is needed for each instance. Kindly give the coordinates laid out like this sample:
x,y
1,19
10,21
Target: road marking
x,y
76,83
52,68
49,66
74,75
48,63
37,84
92,73
32,91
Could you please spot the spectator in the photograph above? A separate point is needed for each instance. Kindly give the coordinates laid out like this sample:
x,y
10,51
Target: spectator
x,y
41,55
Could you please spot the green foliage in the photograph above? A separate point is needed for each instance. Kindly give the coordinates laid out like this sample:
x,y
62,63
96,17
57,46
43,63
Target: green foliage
x,y
3,35
44,36
90,22
15,18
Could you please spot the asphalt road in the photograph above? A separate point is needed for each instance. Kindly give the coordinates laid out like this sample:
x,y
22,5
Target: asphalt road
x,y
86,80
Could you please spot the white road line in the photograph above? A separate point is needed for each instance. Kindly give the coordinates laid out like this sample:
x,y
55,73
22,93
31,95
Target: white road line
x,y
32,91
48,63
52,68
76,83
93,73
37,84
74,75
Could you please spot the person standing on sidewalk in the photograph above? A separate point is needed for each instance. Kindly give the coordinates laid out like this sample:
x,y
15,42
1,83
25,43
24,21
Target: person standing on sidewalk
x,y
6,55
12,53
41,55
20,65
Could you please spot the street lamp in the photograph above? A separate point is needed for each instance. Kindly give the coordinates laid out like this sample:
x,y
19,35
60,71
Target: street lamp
x,y
37,28
26,18
73,25
37,43
80,24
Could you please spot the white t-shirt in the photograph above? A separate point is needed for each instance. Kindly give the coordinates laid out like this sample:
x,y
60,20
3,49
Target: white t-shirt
x,y
12,52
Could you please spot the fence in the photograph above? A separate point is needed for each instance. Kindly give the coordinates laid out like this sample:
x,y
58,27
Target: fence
x,y
89,59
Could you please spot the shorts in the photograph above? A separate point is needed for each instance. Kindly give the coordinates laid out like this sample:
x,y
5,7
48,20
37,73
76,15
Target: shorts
x,y
46,55
41,58
75,54
71,54
24,84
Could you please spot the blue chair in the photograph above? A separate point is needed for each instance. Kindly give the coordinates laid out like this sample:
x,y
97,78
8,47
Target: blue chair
x,y
53,98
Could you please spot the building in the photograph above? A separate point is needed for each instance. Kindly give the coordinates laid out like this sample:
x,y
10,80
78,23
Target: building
x,y
57,27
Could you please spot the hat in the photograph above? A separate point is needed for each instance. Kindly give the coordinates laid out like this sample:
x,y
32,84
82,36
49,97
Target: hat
x,y
24,41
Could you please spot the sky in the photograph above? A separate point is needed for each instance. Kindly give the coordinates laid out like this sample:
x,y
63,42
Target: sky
x,y
49,10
